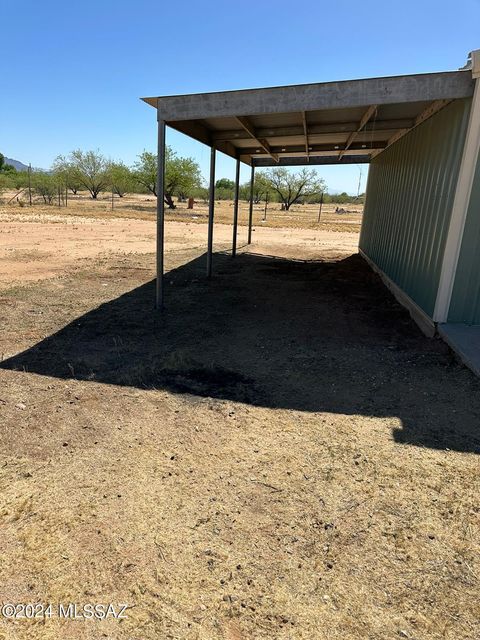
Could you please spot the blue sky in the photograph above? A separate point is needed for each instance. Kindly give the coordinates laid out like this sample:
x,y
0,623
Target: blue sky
x,y
73,73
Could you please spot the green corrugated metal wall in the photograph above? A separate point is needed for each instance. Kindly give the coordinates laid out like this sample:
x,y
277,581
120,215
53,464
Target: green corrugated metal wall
x,y
465,303
411,186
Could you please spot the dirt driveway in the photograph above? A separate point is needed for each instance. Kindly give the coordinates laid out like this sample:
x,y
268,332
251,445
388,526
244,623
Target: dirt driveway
x,y
281,454
31,250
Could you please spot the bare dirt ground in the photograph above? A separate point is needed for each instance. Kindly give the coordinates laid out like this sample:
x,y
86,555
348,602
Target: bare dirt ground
x,y
143,207
281,455
56,239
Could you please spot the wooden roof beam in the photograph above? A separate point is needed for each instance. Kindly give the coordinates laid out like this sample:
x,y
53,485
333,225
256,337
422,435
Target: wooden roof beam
x,y
313,129
432,108
250,129
365,118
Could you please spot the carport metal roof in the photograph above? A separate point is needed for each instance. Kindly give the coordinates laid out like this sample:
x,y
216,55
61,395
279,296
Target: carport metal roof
x,y
322,123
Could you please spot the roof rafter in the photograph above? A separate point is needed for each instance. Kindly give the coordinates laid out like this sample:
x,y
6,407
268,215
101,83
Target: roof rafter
x,y
313,129
432,108
250,129
365,118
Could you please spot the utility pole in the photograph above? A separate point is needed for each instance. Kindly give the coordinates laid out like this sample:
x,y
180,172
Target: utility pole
x,y
112,198
266,205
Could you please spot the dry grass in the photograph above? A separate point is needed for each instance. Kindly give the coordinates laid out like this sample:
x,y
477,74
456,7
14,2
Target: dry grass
x,y
140,207
307,467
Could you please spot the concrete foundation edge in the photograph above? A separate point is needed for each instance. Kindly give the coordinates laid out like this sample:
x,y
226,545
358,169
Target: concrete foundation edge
x,y
462,355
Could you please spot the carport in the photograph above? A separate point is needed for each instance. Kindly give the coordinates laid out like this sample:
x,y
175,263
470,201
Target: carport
x,y
421,135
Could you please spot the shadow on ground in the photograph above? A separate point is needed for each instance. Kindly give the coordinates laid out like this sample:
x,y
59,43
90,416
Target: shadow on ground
x,y
301,335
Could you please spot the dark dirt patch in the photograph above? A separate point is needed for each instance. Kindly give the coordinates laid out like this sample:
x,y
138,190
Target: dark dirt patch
x,y
311,336
215,382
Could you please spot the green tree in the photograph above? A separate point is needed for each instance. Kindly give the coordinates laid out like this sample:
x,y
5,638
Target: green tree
x,y
343,198
224,189
225,183
201,193
224,194
6,181
261,188
67,174
44,185
145,171
90,169
121,178
292,187
4,167
182,175
18,178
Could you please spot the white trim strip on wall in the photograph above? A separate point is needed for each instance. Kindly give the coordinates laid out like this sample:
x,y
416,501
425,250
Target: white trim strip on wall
x,y
461,201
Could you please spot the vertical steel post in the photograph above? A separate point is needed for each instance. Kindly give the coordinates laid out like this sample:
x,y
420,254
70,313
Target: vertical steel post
x,y
160,214
211,211
250,211
235,209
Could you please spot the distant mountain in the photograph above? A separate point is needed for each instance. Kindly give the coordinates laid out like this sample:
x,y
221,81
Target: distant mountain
x,y
19,166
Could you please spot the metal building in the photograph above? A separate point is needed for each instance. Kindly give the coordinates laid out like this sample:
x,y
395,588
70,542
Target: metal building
x,y
420,134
